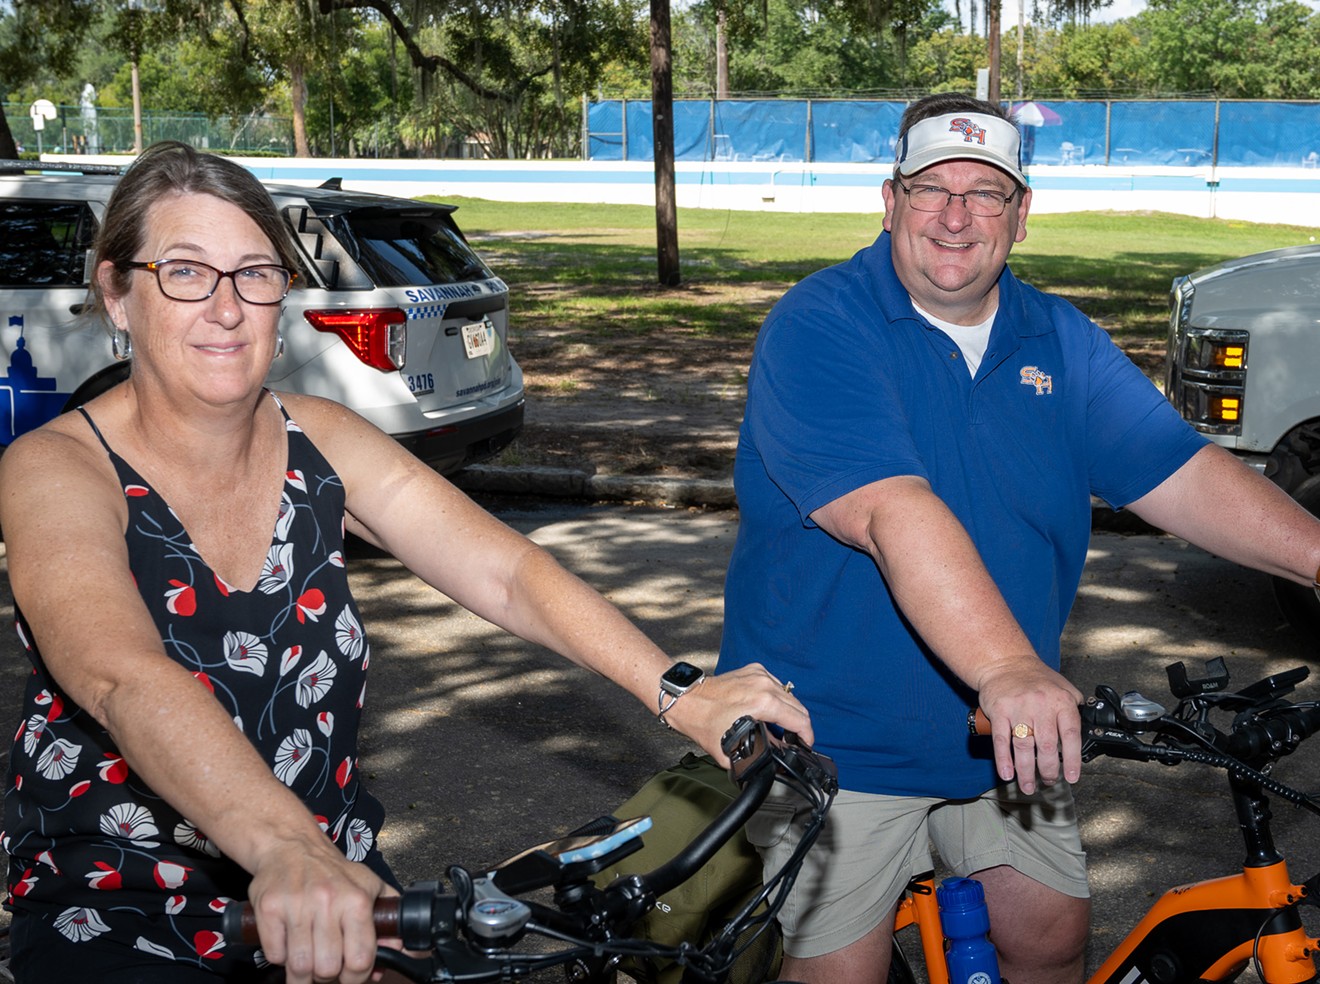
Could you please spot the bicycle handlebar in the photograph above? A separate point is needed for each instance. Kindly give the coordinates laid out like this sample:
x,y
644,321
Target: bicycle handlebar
x,y
1264,727
470,931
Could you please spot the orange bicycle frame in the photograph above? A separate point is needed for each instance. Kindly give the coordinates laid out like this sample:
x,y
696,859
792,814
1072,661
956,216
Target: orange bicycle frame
x,y
1207,931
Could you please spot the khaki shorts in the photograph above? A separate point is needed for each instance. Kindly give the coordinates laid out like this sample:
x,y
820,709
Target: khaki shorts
x,y
873,845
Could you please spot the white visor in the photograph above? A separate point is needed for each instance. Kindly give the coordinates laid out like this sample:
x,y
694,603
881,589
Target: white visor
x,y
961,136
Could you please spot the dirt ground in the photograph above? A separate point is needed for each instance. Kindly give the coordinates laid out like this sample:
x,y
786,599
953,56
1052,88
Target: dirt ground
x,y
665,406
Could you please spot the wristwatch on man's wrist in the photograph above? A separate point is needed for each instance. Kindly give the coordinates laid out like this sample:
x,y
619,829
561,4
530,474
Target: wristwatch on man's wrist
x,y
676,681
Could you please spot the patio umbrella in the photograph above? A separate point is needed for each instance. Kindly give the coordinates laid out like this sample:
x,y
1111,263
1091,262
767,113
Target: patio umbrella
x,y
1036,114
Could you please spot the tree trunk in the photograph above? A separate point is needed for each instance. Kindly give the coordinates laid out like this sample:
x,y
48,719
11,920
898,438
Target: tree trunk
x,y
662,126
722,54
993,46
8,148
298,99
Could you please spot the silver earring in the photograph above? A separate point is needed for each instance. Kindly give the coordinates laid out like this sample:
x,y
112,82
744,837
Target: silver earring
x,y
279,342
121,344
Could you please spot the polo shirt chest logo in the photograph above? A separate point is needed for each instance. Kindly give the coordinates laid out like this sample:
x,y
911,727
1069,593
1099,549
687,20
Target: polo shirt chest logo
x,y
1032,376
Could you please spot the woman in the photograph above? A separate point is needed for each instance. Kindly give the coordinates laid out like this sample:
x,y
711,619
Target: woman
x,y
189,733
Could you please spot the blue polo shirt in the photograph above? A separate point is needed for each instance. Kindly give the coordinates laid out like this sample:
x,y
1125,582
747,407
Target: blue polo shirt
x,y
849,385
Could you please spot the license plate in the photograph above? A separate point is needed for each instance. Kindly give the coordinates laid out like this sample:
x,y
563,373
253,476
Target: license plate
x,y
478,339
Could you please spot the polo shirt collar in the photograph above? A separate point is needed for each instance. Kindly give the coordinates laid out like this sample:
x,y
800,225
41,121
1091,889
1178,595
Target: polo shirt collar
x,y
896,305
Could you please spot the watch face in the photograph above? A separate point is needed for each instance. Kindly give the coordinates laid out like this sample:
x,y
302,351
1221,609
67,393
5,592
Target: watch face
x,y
680,677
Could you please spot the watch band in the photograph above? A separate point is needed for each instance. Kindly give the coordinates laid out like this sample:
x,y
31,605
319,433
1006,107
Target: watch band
x,y
665,705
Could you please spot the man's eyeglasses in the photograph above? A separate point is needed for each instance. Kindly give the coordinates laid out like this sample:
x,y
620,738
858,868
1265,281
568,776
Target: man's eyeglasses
x,y
933,198
189,280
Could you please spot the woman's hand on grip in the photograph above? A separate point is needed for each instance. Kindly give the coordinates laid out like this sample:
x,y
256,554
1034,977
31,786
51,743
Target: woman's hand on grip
x,y
706,713
313,910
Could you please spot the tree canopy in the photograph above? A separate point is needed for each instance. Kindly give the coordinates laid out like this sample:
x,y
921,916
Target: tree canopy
x,y
506,77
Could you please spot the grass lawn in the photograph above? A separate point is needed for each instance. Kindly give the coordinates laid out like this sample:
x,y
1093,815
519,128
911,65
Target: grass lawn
x,y
593,266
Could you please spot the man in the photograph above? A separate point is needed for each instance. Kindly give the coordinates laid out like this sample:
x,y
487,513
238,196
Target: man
x,y
922,438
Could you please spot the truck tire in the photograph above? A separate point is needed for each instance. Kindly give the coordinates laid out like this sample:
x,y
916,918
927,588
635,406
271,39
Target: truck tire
x,y
1298,602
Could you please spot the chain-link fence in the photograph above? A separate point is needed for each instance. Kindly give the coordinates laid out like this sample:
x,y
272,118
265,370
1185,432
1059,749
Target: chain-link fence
x,y
101,130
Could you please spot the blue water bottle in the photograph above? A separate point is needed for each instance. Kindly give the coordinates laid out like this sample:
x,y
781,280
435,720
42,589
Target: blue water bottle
x,y
963,915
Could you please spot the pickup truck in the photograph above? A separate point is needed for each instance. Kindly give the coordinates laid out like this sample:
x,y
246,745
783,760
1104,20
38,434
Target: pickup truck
x,y
1243,368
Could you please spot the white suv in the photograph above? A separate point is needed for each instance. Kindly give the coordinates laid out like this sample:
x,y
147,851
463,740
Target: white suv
x,y
393,314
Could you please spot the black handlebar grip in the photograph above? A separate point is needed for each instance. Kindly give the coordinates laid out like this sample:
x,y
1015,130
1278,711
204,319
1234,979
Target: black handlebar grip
x,y
238,923
1280,732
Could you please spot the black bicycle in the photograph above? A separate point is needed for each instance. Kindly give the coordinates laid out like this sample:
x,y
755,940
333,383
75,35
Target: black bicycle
x,y
483,928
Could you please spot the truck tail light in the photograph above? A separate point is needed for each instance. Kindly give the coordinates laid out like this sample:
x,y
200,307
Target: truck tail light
x,y
377,336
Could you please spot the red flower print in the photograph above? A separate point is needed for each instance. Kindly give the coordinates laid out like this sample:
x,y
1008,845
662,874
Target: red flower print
x,y
56,707
79,788
45,858
105,878
182,599
114,769
344,773
170,875
295,478
24,884
174,904
290,659
311,604
136,491
204,680
208,944
221,586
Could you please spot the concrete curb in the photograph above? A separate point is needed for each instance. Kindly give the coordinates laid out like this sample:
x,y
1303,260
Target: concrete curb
x,y
711,493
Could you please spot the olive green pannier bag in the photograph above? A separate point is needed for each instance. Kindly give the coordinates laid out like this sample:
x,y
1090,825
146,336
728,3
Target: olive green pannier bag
x,y
681,801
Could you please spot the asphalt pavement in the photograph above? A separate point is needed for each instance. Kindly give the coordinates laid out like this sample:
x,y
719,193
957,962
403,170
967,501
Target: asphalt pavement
x,y
481,745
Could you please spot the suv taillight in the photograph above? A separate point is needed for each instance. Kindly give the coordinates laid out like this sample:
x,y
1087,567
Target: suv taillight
x,y
377,336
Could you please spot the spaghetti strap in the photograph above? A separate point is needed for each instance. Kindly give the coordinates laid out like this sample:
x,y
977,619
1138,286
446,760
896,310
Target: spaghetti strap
x,y
96,430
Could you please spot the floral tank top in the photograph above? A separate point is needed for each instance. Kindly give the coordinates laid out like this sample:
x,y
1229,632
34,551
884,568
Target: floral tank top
x,y
88,841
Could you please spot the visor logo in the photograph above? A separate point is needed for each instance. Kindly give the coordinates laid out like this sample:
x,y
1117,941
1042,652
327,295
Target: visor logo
x,y
969,130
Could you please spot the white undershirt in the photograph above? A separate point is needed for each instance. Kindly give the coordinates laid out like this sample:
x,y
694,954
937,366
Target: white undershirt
x,y
971,339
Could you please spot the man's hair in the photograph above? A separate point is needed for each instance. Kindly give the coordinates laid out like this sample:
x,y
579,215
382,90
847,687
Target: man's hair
x,y
943,104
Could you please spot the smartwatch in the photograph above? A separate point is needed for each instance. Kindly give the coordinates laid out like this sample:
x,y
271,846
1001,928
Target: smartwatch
x,y
676,681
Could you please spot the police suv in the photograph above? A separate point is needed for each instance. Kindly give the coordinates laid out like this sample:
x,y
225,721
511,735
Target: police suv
x,y
393,314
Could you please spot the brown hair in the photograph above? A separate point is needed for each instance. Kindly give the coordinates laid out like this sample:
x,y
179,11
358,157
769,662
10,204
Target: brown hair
x,y
172,168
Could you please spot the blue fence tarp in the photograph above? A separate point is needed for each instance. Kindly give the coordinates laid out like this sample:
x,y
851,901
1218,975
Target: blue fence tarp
x,y
1173,133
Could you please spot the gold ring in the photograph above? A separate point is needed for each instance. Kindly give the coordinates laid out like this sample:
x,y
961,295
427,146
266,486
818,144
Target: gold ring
x,y
788,687
1022,731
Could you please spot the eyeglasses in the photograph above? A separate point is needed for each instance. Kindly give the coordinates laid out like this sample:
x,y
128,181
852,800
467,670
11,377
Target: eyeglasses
x,y
189,280
933,198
